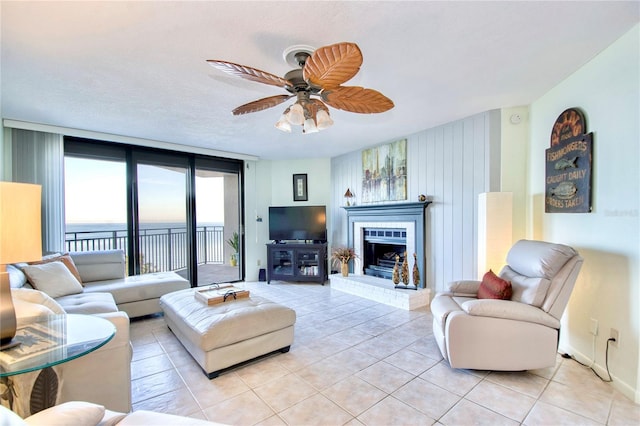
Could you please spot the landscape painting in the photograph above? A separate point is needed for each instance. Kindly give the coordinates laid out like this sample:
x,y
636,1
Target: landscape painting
x,y
384,173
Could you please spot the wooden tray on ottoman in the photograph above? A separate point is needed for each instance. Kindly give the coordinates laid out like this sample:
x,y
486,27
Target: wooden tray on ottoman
x,y
220,294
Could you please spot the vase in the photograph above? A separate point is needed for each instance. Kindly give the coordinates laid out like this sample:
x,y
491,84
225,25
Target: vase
x,y
344,268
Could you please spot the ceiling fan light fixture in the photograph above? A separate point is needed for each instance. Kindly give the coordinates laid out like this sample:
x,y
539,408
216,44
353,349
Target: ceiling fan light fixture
x,y
295,114
317,73
283,124
324,120
309,126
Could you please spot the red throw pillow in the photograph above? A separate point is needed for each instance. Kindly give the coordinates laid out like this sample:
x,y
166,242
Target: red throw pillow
x,y
494,287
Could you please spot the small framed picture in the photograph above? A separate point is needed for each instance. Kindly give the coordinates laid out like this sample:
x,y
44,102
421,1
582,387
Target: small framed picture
x,y
300,187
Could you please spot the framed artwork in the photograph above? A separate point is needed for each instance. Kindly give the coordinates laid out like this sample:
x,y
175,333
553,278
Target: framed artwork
x,y
300,187
384,172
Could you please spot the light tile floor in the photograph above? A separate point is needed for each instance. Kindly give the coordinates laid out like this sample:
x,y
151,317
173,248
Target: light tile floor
x,y
357,362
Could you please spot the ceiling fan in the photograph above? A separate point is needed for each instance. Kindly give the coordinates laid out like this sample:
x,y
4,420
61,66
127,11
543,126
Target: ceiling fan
x,y
320,75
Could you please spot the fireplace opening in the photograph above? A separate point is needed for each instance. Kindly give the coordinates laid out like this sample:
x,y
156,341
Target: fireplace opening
x,y
380,249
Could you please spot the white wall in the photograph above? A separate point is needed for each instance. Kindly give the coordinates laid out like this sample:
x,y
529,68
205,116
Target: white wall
x,y
514,133
451,165
607,91
270,183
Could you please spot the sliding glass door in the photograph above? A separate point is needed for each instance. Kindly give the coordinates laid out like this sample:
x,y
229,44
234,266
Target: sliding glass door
x,y
168,211
218,231
161,221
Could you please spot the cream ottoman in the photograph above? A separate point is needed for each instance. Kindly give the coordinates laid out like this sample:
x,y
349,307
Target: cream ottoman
x,y
222,335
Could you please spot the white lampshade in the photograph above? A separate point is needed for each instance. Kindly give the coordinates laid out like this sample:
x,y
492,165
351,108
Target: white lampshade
x,y
324,120
495,234
283,124
296,114
309,126
20,222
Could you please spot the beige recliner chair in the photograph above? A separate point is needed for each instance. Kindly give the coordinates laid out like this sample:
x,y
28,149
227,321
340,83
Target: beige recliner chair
x,y
509,335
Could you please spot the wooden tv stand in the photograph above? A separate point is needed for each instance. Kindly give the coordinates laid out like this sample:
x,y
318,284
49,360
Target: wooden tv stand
x,y
297,262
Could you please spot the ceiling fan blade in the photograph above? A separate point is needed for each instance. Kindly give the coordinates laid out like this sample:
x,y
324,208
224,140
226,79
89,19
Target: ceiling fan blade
x,y
330,66
248,73
261,104
357,99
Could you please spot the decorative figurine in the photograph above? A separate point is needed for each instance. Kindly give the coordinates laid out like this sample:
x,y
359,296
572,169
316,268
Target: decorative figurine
x,y
405,270
416,271
396,274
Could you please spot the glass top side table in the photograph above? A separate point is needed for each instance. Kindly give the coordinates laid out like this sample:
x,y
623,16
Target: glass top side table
x,y
51,340
46,342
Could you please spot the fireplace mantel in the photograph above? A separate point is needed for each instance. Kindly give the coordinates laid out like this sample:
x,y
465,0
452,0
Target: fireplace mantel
x,y
388,209
387,213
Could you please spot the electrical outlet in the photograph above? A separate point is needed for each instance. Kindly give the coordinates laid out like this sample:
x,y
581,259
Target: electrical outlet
x,y
614,334
258,262
593,328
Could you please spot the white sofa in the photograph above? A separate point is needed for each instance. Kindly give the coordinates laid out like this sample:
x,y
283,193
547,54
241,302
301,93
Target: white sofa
x,y
105,272
83,413
103,376
509,335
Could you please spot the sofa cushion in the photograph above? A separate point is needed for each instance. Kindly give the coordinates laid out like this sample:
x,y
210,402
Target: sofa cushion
x,y
17,278
100,265
65,259
77,413
88,303
28,310
494,287
140,287
37,297
9,418
53,278
145,417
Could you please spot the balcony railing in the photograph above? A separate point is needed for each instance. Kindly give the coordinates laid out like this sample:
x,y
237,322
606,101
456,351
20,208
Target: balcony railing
x,y
161,249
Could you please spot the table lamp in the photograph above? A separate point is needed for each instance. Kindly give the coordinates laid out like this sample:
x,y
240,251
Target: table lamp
x,y
348,195
20,241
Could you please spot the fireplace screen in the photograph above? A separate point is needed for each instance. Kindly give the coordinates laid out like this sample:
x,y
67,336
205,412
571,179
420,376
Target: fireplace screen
x,y
380,248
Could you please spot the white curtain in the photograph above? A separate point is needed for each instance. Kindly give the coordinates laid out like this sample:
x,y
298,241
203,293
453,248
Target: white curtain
x,y
38,158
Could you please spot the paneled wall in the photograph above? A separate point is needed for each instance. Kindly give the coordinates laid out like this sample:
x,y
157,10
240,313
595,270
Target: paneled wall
x,y
450,164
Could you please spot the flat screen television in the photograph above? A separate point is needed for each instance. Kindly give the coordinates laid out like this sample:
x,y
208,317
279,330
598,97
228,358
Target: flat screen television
x,y
298,223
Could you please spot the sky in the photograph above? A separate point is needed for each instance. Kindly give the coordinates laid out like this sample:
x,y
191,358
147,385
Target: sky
x,y
95,192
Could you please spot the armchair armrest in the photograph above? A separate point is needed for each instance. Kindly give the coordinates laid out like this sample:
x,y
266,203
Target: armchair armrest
x,y
465,288
509,309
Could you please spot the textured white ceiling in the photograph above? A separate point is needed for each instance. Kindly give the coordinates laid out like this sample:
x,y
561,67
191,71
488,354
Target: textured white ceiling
x,y
138,68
